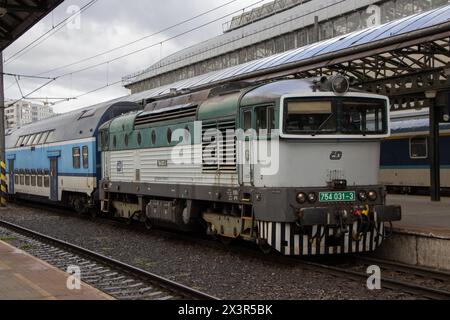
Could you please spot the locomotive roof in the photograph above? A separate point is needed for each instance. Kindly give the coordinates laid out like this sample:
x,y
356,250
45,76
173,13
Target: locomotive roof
x,y
78,124
275,90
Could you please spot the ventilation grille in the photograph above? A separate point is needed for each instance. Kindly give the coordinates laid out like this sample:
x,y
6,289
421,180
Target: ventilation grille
x,y
219,146
178,113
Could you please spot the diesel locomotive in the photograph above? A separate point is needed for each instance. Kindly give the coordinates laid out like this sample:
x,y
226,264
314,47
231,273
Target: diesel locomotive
x,y
292,165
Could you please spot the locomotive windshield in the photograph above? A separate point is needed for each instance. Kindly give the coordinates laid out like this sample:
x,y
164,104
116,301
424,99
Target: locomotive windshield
x,y
348,116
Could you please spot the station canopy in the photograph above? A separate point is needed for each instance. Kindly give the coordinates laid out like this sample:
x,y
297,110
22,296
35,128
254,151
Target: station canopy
x,y
18,16
400,59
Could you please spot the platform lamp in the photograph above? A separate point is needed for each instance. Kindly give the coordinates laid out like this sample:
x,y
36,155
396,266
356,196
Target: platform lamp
x,y
435,163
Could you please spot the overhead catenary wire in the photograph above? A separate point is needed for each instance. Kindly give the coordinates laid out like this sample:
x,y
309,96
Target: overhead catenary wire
x,y
156,44
29,94
47,34
138,40
17,75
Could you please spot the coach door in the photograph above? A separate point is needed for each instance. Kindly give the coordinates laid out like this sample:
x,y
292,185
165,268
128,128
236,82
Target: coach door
x,y
54,179
11,176
246,148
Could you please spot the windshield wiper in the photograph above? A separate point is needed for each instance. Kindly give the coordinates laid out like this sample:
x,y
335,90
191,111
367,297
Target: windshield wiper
x,y
322,125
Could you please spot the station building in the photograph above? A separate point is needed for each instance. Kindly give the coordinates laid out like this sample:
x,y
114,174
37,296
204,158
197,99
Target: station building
x,y
274,28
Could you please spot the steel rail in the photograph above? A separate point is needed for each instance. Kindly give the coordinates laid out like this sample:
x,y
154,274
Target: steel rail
x,y
179,289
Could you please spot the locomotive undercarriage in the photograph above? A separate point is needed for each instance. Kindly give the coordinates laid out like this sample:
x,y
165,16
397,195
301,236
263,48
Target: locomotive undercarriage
x,y
232,213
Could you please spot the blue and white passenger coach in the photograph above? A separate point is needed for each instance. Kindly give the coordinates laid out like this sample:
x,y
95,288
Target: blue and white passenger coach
x,y
57,159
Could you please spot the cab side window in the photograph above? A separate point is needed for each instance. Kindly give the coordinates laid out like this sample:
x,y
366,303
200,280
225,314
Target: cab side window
x,y
265,119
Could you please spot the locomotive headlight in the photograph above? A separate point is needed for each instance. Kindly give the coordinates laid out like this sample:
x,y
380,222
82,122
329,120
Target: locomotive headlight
x,y
373,196
312,197
340,84
301,198
362,195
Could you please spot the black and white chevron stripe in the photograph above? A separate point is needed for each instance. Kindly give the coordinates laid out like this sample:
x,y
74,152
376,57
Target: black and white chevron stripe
x,y
281,236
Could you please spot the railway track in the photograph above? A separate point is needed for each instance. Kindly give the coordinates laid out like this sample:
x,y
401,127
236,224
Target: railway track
x,y
119,280
416,281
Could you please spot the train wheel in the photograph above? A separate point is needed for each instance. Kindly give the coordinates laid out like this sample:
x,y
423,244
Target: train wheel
x,y
93,212
225,240
79,207
265,247
148,224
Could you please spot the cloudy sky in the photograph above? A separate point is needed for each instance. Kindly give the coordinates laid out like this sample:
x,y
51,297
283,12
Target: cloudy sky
x,y
104,25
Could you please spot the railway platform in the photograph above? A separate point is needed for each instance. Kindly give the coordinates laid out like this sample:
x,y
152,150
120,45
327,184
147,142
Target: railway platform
x,y
23,277
422,238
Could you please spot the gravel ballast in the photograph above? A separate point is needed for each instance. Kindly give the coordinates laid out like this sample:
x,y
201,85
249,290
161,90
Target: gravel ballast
x,y
227,274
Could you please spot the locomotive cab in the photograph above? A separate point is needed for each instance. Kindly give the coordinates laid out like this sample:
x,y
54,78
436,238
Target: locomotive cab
x,y
325,192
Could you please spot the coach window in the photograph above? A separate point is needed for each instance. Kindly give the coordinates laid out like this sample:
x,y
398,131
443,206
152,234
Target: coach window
x,y
49,136
20,141
43,137
46,182
85,157
25,141
418,148
30,141
139,138
37,139
76,158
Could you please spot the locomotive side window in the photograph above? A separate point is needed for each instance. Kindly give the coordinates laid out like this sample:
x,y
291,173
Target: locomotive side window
x,y
265,119
153,137
76,156
418,148
271,119
85,157
247,123
261,119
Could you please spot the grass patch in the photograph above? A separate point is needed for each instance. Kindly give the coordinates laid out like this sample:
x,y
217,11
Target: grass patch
x,y
26,246
6,239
